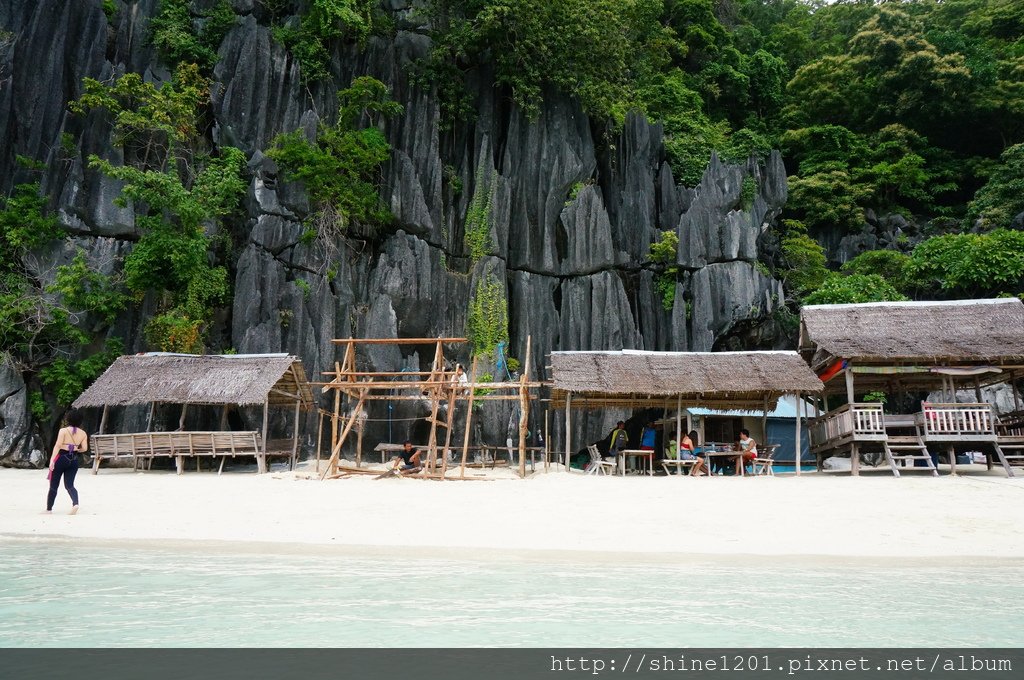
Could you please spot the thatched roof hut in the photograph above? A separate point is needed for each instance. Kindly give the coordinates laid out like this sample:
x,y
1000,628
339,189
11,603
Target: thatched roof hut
x,y
913,342
243,379
632,378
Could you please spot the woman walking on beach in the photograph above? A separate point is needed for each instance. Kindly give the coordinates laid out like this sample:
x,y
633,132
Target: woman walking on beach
x,y
71,441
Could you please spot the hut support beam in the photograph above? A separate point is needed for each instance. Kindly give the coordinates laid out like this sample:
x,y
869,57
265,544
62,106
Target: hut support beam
x,y
679,426
261,459
799,447
849,386
568,430
295,435
103,418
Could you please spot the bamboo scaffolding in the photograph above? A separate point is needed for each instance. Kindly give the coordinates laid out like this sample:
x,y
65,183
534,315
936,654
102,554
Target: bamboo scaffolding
x,y
433,387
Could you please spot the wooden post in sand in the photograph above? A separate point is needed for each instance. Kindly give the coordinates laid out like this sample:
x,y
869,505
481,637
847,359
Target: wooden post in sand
x,y
547,445
524,410
469,421
319,439
261,458
799,444
295,435
568,430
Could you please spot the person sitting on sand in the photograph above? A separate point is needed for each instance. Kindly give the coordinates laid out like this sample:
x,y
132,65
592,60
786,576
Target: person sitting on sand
x,y
410,458
748,450
71,441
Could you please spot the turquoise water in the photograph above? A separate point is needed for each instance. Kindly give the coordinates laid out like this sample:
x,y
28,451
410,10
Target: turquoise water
x,y
62,593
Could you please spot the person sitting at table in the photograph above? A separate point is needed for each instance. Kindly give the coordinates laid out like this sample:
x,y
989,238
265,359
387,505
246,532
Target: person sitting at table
x,y
410,458
618,439
690,444
648,438
748,450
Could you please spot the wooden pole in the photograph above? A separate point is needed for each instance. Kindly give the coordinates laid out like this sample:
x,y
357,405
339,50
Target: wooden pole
x,y
764,422
319,439
568,430
469,421
849,386
799,444
524,409
149,420
1013,388
295,435
332,463
547,445
261,460
449,424
337,403
107,411
679,430
977,389
181,420
224,417
359,442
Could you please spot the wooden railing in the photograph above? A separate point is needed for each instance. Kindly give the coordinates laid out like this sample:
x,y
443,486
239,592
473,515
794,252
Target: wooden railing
x,y
1011,424
957,420
176,444
853,421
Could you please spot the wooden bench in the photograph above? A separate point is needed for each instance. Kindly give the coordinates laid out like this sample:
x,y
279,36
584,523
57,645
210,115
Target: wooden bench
x,y
145,446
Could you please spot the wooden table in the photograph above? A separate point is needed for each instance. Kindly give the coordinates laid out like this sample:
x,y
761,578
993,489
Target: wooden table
x,y
639,453
715,452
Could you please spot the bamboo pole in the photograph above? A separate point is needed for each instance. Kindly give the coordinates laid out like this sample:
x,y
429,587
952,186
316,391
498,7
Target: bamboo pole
x,y
181,420
679,431
524,409
469,421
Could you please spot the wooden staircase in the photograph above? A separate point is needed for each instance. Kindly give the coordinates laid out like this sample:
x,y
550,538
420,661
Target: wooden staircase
x,y
1016,457
907,448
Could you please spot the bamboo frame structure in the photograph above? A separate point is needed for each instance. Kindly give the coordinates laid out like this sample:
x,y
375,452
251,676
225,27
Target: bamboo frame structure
x,y
438,385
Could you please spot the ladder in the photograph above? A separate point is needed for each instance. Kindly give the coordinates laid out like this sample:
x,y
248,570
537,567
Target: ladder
x,y
904,448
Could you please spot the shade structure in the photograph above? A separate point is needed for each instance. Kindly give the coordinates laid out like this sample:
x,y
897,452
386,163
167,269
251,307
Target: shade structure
x,y
248,379
635,378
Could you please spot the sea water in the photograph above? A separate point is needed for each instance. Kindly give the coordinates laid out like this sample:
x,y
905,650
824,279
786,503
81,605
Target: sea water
x,y
65,593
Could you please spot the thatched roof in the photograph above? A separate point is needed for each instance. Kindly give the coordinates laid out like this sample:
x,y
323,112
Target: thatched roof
x,y
243,379
735,379
959,332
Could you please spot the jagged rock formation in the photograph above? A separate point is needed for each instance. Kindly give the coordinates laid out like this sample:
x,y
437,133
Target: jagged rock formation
x,y
570,210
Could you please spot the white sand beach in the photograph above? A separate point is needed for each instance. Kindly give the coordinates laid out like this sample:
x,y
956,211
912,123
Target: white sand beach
x,y
871,516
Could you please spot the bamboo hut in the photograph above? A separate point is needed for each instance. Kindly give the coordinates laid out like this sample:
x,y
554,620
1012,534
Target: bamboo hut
x,y
637,379
225,381
906,347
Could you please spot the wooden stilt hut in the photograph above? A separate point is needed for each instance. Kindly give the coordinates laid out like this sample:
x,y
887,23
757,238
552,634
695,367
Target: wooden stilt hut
x,y
262,380
636,379
907,347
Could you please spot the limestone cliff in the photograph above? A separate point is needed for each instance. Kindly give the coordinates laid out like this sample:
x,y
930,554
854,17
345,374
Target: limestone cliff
x,y
572,207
